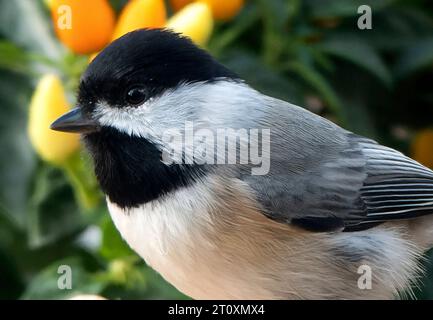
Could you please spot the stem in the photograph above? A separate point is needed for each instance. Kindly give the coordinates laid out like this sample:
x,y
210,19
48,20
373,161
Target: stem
x,y
82,181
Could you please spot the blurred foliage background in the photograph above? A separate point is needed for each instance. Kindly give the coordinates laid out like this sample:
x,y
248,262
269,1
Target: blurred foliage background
x,y
378,83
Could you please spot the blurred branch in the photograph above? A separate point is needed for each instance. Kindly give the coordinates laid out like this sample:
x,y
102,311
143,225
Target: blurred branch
x,y
319,83
359,53
415,58
248,17
275,18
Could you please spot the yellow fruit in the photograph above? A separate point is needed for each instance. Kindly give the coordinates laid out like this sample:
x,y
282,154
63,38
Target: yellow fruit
x,y
194,21
225,9
422,148
47,104
179,4
49,3
139,14
83,26
93,56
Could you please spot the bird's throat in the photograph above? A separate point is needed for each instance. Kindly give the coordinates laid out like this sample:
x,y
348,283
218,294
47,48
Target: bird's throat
x,y
130,171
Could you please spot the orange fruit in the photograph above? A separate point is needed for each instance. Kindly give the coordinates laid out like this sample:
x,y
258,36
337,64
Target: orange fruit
x,y
422,148
83,26
179,4
225,9
138,14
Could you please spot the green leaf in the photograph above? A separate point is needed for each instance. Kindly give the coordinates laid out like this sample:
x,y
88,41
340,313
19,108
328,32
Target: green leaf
x,y
359,120
158,288
319,83
28,25
18,60
275,16
17,160
81,177
359,53
149,285
397,29
53,212
13,58
246,19
276,13
113,246
415,58
45,284
343,8
10,277
262,77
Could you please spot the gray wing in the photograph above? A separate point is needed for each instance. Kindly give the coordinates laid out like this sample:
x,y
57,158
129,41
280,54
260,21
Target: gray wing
x,y
396,186
324,178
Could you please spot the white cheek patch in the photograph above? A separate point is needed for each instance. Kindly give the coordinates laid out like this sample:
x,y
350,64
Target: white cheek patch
x,y
133,121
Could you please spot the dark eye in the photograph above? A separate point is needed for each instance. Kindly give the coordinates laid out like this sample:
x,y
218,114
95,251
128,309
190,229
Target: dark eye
x,y
136,95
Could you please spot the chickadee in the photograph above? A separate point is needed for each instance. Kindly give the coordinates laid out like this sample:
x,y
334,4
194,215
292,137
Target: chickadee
x,y
335,216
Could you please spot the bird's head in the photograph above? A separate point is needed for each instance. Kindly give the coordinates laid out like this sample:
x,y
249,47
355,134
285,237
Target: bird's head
x,y
140,86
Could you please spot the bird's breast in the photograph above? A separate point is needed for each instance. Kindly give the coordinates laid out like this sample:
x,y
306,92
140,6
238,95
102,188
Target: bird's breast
x,y
186,237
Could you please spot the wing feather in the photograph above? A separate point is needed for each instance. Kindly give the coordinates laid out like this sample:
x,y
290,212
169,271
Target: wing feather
x,y
324,178
396,187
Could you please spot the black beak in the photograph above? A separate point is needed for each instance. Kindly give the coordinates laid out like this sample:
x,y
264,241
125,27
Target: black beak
x,y
76,122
